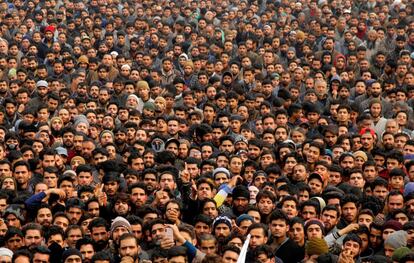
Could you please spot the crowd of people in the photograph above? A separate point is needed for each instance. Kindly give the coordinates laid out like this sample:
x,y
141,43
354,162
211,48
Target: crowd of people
x,y
257,131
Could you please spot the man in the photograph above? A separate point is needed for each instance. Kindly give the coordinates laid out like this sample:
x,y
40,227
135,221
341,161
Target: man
x,y
330,217
41,254
281,244
207,244
33,235
6,255
230,254
71,255
72,234
138,194
258,235
119,227
394,201
241,197
56,235
352,243
99,233
310,209
74,210
221,228
22,174
14,239
84,175
128,246
44,216
314,228
264,254
85,247
177,254
349,210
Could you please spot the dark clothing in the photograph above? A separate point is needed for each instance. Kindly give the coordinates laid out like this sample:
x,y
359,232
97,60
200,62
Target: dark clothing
x,y
290,252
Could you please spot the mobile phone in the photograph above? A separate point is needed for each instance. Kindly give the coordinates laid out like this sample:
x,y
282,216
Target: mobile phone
x,y
169,233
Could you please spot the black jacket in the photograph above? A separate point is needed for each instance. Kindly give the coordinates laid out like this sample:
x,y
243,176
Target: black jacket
x,y
290,252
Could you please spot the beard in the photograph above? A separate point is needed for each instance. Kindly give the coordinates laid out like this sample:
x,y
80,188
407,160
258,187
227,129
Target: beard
x,y
100,245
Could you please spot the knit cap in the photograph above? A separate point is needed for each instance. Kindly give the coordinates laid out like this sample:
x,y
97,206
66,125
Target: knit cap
x,y
120,221
142,84
392,224
316,246
70,252
221,170
81,119
397,239
314,221
244,217
361,154
240,191
399,253
222,220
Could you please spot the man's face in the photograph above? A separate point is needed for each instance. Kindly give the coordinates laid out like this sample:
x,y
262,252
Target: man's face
x,y
240,204
395,202
118,232
330,219
151,181
375,237
74,214
5,170
208,246
38,257
167,182
21,174
157,232
33,238
121,207
278,228
353,247
138,196
85,178
230,257
257,237
222,231
44,217
381,192
99,234
128,247
349,211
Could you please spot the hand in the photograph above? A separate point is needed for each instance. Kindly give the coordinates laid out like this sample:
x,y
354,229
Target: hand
x,y
177,234
103,199
185,175
234,180
161,197
193,190
21,108
348,228
98,190
346,257
334,93
166,243
60,192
